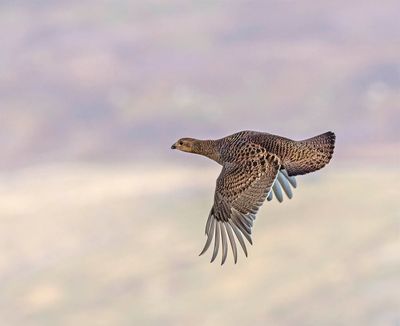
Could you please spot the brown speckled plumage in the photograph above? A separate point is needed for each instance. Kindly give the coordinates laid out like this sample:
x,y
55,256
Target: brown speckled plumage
x,y
255,165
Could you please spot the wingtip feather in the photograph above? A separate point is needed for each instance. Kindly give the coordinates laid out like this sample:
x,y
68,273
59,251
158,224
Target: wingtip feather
x,y
216,242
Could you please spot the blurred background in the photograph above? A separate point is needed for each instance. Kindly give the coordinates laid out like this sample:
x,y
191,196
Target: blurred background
x,y
101,223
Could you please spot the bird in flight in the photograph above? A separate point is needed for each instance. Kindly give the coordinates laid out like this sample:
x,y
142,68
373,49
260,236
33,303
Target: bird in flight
x,y
255,166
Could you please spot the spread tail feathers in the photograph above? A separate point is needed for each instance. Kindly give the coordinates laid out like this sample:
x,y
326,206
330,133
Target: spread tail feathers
x,y
312,154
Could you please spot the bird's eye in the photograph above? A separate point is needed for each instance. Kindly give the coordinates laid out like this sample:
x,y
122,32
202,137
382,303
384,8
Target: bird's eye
x,y
180,142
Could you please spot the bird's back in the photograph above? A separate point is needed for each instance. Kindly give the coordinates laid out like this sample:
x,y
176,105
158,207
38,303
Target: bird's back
x,y
298,157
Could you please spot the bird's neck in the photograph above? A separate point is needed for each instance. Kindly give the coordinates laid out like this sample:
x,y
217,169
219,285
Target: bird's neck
x,y
208,148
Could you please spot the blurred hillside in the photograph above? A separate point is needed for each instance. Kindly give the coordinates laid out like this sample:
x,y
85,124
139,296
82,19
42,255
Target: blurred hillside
x,y
100,245
124,79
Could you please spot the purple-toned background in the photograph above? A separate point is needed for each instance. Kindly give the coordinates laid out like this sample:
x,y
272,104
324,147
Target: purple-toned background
x,y
110,79
101,223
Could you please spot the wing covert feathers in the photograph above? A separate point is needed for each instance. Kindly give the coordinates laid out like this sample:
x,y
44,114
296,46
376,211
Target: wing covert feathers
x,y
240,191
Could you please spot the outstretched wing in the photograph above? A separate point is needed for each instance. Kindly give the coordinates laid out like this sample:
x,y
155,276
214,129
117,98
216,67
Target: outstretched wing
x,y
241,189
283,181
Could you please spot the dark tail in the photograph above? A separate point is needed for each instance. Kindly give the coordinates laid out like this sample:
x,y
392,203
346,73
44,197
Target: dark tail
x,y
312,154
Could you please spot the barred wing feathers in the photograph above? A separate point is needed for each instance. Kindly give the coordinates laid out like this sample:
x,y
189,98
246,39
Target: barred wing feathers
x,y
240,191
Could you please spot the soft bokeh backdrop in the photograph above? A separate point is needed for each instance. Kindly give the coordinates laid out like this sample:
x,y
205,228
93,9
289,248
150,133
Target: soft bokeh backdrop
x,y
101,223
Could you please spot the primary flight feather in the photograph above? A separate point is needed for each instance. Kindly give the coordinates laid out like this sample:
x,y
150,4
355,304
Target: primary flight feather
x,y
255,166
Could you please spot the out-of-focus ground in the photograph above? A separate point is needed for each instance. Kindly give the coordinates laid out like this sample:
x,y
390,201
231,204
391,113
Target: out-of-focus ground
x,y
101,223
117,245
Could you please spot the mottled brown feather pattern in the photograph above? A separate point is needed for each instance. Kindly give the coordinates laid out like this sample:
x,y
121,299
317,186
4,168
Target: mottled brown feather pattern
x,y
256,165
